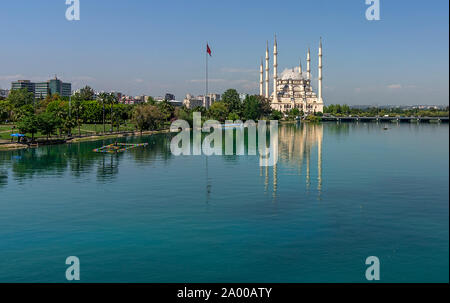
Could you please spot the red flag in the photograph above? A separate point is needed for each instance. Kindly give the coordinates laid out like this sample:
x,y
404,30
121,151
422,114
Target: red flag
x,y
208,50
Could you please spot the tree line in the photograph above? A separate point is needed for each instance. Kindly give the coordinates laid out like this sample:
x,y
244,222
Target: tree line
x,y
59,115
372,111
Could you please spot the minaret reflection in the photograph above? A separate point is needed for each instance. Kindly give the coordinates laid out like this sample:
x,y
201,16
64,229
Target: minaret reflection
x,y
297,144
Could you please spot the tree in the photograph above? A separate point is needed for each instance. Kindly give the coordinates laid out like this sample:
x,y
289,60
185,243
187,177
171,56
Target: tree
x,y
92,112
293,114
166,109
233,117
147,117
151,101
67,124
28,124
218,111
251,108
47,123
102,99
266,108
232,100
276,115
5,110
77,107
87,93
20,97
111,100
24,110
43,104
183,113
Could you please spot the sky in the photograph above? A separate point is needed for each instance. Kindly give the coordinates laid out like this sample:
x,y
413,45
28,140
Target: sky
x,y
153,47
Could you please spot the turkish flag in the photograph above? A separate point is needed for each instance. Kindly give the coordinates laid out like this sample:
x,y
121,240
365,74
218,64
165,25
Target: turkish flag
x,y
208,50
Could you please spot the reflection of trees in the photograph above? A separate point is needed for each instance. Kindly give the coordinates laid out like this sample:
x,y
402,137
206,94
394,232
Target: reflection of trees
x,y
108,167
3,178
79,159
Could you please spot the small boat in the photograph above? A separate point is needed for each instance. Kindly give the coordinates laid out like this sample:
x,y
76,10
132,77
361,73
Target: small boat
x,y
118,147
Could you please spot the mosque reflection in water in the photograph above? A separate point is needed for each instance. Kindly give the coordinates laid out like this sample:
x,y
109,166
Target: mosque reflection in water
x,y
298,147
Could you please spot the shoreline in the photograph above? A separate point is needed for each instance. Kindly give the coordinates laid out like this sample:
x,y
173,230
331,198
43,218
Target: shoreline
x,y
18,146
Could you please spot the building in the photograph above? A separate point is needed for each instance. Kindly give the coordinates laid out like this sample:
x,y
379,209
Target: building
x,y
192,102
4,93
42,89
53,86
21,84
169,97
293,89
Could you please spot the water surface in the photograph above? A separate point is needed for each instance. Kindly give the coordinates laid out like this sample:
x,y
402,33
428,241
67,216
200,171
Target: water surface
x,y
339,193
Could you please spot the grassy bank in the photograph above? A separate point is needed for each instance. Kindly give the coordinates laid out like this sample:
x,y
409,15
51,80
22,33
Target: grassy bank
x,y
94,137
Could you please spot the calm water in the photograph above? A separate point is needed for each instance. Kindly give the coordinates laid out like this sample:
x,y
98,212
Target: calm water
x,y
339,194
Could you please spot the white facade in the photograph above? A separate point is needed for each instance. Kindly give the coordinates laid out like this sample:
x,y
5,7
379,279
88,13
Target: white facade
x,y
293,89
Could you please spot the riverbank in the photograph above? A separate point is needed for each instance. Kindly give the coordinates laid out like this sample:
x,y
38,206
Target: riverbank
x,y
6,146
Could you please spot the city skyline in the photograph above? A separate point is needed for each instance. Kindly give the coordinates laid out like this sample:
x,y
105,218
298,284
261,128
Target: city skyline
x,y
138,48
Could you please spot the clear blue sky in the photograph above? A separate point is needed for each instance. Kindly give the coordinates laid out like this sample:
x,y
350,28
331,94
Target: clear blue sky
x,y
154,47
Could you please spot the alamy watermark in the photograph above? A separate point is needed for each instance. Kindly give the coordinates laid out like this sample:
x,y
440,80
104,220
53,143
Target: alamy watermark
x,y
73,11
373,11
213,142
73,271
373,271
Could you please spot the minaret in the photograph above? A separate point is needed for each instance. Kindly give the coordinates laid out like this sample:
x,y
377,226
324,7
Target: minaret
x,y
267,70
319,89
300,68
261,78
275,69
308,65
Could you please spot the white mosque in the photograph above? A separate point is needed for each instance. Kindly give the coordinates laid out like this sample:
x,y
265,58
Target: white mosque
x,y
292,89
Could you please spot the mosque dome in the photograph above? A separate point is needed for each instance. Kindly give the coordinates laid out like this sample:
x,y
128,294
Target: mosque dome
x,y
291,73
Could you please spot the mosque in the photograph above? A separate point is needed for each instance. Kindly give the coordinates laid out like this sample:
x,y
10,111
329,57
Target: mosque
x,y
292,89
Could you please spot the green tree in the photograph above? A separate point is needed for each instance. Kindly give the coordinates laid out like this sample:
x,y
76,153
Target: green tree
x,y
47,123
233,117
293,114
28,124
218,111
183,113
5,110
232,100
102,99
77,110
276,115
147,117
111,100
87,93
251,108
20,97
167,110
151,101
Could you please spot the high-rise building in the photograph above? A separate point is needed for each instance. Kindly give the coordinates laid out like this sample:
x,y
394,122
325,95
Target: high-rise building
x,y
20,84
53,86
42,89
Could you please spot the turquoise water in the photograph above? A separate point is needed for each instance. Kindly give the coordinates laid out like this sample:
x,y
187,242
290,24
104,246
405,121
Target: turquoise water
x,y
339,193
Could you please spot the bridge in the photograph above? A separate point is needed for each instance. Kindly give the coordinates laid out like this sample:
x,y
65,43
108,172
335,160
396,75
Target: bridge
x,y
385,119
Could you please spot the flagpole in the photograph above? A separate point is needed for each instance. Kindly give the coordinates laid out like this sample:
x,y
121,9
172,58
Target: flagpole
x,y
206,95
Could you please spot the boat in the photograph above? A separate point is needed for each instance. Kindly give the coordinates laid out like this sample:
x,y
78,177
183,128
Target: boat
x,y
118,147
